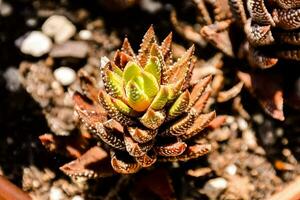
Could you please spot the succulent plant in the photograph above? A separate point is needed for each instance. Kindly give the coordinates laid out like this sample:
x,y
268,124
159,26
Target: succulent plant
x,y
271,29
148,111
253,33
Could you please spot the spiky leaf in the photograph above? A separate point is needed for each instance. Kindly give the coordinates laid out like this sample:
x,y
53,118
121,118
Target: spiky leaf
x,y
137,99
124,108
114,83
150,86
131,70
179,105
112,111
153,66
153,119
161,99
141,135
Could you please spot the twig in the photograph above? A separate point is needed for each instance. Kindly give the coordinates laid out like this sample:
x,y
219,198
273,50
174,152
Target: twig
x,y
9,191
290,192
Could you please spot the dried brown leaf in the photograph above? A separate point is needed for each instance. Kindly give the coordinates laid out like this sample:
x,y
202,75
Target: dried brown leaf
x,y
224,96
92,164
267,90
73,146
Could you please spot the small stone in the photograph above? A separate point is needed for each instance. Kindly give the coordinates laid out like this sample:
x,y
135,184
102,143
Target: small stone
x,y
12,78
9,140
279,132
85,35
231,169
284,141
286,152
222,134
59,27
151,6
243,125
214,187
258,118
230,119
199,172
36,184
56,194
36,44
74,49
5,9
77,197
65,75
218,183
250,139
31,22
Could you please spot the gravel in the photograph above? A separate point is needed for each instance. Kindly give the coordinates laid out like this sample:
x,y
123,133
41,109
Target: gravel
x,y
59,27
36,44
65,75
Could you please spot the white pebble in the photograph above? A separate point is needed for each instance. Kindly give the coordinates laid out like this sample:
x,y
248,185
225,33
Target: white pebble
x,y
9,140
85,35
65,75
12,78
56,194
31,22
36,44
243,125
77,197
5,9
151,6
250,139
59,27
258,118
217,183
231,169
214,187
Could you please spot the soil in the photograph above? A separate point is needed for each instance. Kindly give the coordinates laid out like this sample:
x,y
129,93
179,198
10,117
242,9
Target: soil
x,y
257,156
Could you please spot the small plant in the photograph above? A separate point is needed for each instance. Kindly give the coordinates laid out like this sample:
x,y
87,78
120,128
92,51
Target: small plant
x,y
148,110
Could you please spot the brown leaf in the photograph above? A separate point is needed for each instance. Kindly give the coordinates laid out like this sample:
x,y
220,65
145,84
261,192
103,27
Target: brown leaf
x,y
217,122
187,31
113,139
148,40
174,149
267,90
88,112
166,49
218,35
192,152
181,68
147,159
126,47
73,146
198,90
94,163
224,96
259,13
123,163
201,122
136,149
121,59
88,85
